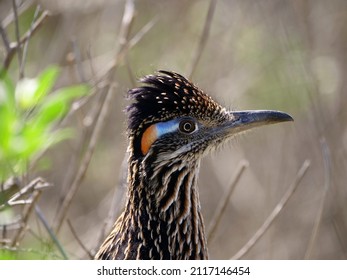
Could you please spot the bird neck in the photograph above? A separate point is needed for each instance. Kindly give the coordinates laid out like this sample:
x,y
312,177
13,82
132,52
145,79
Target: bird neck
x,y
164,205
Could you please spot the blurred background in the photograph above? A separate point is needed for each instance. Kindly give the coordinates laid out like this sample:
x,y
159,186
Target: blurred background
x,y
290,198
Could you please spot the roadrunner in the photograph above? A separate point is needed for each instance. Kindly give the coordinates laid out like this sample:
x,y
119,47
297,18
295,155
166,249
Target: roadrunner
x,y
172,124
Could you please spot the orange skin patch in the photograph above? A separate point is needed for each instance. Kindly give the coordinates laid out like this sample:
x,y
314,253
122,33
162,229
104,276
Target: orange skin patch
x,y
148,138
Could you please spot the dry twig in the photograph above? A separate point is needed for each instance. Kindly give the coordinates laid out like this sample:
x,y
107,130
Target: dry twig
x,y
27,211
43,220
275,212
33,29
203,39
128,17
123,47
223,204
327,181
19,48
37,186
79,241
65,205
5,38
26,43
118,193
9,18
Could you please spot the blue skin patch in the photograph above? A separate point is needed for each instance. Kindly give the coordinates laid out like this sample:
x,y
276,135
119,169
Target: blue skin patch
x,y
167,127
155,131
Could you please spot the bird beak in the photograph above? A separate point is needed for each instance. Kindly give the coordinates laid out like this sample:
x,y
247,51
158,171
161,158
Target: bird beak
x,y
244,120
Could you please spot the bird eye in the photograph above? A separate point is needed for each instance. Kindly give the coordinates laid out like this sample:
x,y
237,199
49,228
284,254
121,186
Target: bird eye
x,y
187,126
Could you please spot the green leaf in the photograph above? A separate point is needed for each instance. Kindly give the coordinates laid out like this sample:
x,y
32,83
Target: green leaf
x,y
31,140
7,113
7,122
27,118
6,90
69,93
46,81
50,111
30,92
57,104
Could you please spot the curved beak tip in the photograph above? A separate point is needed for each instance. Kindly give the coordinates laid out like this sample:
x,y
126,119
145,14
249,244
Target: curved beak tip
x,y
277,116
244,120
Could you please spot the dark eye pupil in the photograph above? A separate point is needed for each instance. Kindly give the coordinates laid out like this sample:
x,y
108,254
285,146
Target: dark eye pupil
x,y
187,126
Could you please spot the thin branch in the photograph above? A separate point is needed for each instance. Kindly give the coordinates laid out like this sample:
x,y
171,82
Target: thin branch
x,y
79,241
27,212
20,10
77,153
91,64
78,60
124,34
130,71
19,49
116,198
203,39
20,202
223,204
124,45
143,31
26,43
128,16
5,38
133,41
34,28
85,162
100,82
43,220
327,181
36,184
124,48
275,212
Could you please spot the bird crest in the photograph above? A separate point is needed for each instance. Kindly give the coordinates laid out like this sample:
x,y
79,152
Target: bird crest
x,y
165,96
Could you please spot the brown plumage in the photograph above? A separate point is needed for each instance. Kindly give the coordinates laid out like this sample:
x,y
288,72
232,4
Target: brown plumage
x,y
172,124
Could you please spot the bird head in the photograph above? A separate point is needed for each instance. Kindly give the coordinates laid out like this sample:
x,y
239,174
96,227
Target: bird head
x,y
172,119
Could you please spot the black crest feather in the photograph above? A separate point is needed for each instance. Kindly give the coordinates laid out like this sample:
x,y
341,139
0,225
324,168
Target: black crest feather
x,y
167,95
